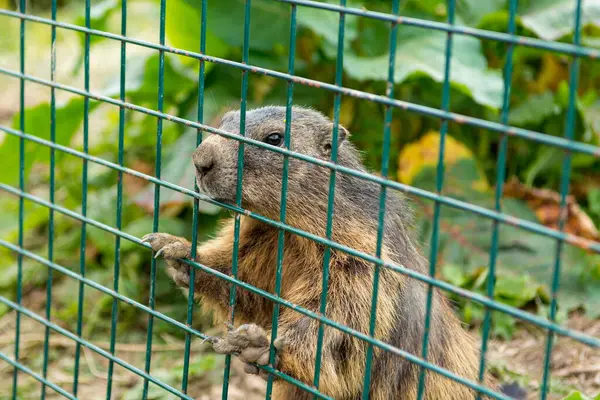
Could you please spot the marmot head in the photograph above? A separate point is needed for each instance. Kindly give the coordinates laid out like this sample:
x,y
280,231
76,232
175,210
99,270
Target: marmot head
x,y
216,159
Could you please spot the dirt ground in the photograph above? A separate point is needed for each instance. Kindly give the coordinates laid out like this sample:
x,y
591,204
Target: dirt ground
x,y
574,365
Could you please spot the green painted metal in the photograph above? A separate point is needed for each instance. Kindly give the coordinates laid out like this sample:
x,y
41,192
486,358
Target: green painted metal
x,y
190,310
51,195
502,128
339,67
157,173
284,186
19,293
500,176
512,311
238,191
564,191
439,184
382,197
84,193
119,211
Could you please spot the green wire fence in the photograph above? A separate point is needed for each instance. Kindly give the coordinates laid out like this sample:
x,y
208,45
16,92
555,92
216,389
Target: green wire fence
x,y
502,128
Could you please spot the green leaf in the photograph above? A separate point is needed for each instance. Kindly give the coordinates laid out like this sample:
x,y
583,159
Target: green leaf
x,y
99,15
325,24
69,117
201,365
545,160
454,274
183,26
553,19
142,80
34,215
594,201
154,392
504,325
576,292
269,22
424,54
34,273
576,396
524,261
472,11
517,287
534,109
591,114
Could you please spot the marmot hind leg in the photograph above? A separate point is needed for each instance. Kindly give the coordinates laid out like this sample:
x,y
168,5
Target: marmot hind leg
x,y
250,343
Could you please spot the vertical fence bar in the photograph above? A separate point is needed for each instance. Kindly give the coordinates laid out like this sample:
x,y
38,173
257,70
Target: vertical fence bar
x,y
339,69
382,197
238,191
19,294
437,207
500,176
51,195
190,309
284,188
84,190
564,191
158,163
119,212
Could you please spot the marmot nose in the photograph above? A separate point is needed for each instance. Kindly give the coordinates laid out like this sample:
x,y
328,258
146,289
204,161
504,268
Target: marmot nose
x,y
204,166
203,160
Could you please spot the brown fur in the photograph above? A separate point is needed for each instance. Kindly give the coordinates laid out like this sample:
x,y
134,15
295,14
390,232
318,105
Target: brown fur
x,y
401,300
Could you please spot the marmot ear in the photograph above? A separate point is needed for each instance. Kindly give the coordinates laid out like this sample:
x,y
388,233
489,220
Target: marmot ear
x,y
326,144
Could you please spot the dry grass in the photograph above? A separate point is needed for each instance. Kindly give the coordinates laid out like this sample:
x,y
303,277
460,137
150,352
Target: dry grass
x,y
574,366
167,357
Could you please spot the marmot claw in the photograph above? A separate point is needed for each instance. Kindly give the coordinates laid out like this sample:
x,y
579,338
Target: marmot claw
x,y
249,342
172,248
169,246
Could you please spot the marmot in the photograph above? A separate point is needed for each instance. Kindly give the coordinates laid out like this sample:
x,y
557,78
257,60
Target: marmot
x,y
401,302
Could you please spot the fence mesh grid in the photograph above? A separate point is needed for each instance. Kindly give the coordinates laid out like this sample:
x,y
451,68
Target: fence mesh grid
x,y
502,128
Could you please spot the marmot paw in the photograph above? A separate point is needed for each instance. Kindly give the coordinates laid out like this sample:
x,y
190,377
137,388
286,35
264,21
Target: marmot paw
x,y
172,248
249,342
169,246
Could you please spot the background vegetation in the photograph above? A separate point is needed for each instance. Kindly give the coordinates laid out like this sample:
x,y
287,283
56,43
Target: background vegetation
x,y
539,100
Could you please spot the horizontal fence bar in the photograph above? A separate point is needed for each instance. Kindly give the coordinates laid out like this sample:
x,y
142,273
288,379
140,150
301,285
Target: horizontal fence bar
x,y
359,335
37,377
515,312
566,48
135,304
451,202
93,284
407,106
497,216
91,346
237,282
117,360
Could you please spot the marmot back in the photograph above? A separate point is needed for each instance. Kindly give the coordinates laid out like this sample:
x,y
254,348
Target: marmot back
x,y
401,301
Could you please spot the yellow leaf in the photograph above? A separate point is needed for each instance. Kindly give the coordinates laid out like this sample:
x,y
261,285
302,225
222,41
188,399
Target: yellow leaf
x,y
552,72
425,152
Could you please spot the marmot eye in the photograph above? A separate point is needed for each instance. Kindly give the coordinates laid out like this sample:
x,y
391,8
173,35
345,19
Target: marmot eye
x,y
274,139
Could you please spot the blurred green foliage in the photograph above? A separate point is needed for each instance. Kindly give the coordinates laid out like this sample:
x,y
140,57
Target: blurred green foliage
x,y
539,102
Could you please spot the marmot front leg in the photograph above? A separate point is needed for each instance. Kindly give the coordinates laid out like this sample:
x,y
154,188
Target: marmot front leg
x,y
173,249
250,343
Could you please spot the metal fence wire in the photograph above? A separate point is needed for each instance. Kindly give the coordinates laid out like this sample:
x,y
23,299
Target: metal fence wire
x,y
504,131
